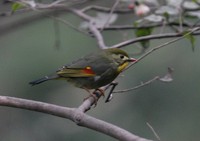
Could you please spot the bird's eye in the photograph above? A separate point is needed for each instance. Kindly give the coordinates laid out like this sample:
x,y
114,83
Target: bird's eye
x,y
122,56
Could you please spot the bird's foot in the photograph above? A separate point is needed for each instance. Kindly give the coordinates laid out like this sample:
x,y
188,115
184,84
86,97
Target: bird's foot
x,y
96,95
99,92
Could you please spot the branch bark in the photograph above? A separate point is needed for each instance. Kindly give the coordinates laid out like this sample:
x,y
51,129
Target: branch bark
x,y
76,115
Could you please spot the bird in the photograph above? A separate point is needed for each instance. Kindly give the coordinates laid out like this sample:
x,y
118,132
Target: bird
x,y
92,71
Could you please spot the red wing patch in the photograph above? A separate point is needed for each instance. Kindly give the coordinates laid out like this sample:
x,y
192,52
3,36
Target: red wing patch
x,y
88,70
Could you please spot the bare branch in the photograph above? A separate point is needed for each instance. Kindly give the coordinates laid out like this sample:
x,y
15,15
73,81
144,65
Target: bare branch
x,y
152,37
73,114
36,106
128,27
97,35
85,106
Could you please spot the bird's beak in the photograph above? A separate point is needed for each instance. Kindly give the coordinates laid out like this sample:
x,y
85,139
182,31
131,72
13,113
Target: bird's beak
x,y
132,60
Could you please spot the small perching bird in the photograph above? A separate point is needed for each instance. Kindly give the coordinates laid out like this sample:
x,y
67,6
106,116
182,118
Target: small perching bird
x,y
93,70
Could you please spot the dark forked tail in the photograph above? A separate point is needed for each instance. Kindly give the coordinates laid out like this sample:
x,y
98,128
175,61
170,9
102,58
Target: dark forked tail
x,y
43,79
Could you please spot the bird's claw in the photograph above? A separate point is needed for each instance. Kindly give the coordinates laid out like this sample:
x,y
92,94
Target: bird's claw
x,y
96,95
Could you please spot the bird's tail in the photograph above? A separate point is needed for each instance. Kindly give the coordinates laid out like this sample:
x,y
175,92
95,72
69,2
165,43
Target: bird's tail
x,y
43,79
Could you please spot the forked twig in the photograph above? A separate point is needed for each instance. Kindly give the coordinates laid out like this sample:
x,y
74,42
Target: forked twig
x,y
166,78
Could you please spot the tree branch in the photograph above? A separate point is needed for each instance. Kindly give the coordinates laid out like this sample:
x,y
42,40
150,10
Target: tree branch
x,y
92,27
182,35
105,9
151,25
76,115
152,37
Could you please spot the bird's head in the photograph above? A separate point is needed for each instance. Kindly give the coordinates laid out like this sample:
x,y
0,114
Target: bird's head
x,y
120,58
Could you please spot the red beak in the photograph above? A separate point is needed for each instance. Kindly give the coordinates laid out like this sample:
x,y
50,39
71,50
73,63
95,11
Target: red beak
x,y
132,60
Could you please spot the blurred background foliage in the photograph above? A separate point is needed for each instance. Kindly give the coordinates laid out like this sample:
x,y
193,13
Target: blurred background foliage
x,y
28,52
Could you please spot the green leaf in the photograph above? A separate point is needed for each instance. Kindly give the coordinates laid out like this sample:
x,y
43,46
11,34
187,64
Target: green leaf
x,y
166,15
144,32
194,1
192,40
194,14
16,6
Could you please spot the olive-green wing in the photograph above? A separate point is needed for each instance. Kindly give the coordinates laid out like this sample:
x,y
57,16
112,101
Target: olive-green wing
x,y
76,72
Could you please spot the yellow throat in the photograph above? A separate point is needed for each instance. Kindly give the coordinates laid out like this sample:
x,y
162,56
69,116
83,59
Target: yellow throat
x,y
122,67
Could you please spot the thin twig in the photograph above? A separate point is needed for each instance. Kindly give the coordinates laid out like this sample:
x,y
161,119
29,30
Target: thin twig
x,y
154,132
128,27
57,41
138,86
151,37
63,21
68,24
164,45
105,9
110,14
